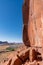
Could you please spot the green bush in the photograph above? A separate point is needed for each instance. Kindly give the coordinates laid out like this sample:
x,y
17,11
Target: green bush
x,y
10,49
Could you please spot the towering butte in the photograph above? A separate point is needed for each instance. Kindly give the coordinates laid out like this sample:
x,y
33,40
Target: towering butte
x,y
32,35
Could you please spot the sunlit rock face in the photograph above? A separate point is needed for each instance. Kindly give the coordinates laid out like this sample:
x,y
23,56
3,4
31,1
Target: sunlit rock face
x,y
33,23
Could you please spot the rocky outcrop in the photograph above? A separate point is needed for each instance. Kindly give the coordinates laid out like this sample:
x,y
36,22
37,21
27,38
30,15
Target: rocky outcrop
x,y
33,23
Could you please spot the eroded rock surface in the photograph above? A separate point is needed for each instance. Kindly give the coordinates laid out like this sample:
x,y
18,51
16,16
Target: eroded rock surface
x,y
33,23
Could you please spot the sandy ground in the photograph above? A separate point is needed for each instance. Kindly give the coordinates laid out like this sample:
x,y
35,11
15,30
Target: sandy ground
x,y
5,55
2,47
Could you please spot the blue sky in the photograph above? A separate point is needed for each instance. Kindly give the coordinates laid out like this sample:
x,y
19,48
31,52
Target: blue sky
x,y
11,20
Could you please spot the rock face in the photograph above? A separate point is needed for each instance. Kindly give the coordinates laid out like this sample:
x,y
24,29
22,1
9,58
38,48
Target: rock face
x,y
33,23
25,22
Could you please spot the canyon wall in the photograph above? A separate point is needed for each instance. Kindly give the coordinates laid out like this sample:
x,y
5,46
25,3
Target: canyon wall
x,y
33,23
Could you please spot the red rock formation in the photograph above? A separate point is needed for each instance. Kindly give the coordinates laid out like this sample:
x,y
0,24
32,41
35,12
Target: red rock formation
x,y
32,35
33,23
25,22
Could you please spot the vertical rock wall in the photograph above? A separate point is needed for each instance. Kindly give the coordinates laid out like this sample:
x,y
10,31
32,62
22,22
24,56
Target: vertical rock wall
x,y
25,22
33,23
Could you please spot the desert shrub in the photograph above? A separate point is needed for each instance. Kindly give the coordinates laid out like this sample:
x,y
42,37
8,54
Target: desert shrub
x,y
10,49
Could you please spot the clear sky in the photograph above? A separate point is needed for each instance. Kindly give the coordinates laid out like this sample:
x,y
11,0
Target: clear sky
x,y
11,20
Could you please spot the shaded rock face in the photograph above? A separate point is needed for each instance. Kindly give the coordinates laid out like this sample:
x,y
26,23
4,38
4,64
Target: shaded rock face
x,y
33,23
25,22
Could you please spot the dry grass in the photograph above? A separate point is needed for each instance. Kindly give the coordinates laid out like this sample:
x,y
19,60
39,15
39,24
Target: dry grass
x,y
3,56
3,47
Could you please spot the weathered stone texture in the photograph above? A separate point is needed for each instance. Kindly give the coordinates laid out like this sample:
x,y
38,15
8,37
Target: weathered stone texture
x,y
33,23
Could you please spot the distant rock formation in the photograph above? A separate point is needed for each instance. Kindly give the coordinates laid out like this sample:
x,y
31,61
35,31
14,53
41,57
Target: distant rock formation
x,y
5,42
9,43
